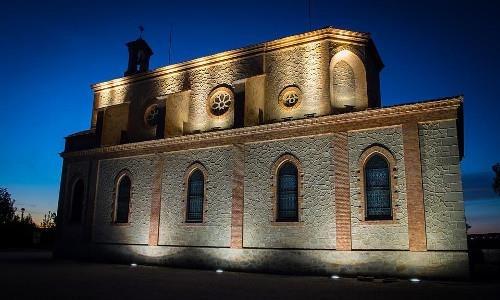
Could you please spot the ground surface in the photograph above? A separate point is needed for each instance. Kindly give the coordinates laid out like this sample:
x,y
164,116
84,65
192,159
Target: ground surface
x,y
35,275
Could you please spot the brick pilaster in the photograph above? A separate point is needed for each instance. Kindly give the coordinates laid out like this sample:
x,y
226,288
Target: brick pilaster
x,y
342,192
154,221
414,191
237,205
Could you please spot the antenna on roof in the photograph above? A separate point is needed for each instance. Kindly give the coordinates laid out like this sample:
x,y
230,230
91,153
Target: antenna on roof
x,y
170,45
309,14
141,29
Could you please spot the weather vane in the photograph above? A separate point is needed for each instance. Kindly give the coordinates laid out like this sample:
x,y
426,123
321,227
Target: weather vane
x,y
141,29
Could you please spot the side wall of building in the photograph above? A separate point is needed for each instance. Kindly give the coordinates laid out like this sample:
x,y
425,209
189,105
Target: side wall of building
x,y
380,235
443,192
72,233
316,226
216,228
136,231
305,246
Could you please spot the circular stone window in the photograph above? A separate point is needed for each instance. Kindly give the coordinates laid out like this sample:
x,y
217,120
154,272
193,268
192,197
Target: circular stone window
x,y
219,101
152,115
290,97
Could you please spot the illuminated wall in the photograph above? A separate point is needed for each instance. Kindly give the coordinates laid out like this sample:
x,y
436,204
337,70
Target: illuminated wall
x,y
305,67
141,176
328,75
292,79
348,81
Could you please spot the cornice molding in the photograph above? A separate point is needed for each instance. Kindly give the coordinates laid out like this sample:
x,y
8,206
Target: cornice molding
x,y
419,112
341,35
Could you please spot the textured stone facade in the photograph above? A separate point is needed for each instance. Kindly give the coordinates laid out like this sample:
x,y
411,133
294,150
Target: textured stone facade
x,y
303,66
316,228
436,264
325,138
141,170
216,230
443,193
382,235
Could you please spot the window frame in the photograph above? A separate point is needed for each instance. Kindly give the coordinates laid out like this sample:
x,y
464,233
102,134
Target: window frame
x,y
116,190
75,180
276,167
197,166
367,154
223,88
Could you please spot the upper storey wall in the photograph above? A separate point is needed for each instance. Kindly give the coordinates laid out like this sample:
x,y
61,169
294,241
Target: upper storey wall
x,y
302,72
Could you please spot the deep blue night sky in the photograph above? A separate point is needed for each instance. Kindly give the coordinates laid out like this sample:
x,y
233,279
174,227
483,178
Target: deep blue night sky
x,y
53,51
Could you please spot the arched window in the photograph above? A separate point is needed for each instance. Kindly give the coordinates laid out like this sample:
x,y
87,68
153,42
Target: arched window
x,y
378,188
123,200
195,197
287,204
77,202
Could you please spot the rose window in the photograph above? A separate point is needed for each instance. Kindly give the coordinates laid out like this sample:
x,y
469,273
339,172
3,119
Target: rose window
x,y
152,115
290,97
220,102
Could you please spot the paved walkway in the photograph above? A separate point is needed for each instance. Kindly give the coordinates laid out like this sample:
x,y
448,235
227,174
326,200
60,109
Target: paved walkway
x,y
34,275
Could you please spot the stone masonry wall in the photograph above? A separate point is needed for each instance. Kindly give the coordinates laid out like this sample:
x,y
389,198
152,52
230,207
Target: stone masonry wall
x,y
305,66
435,264
317,227
137,230
378,235
77,170
216,230
443,194
201,81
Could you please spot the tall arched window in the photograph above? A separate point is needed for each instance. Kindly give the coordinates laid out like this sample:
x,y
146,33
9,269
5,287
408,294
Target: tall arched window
x,y
123,200
287,204
77,202
195,197
378,188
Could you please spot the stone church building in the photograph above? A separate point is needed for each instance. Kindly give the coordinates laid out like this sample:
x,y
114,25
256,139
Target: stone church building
x,y
276,157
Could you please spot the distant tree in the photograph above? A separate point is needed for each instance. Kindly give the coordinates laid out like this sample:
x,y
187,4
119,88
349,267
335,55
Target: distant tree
x,y
49,220
496,181
7,209
28,220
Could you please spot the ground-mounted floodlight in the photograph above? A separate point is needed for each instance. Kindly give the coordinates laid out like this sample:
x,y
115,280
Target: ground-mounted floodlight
x,y
335,277
414,280
133,265
219,271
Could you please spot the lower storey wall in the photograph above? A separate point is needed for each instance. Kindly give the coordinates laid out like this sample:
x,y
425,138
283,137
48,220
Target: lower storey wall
x,y
429,264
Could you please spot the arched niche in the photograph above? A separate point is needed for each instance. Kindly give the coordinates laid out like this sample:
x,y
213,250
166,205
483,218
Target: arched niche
x,y
347,82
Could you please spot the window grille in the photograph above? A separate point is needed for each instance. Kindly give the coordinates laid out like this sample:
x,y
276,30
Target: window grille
x,y
377,189
196,191
287,193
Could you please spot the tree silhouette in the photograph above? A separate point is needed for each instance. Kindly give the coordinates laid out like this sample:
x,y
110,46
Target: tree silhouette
x,y
7,209
49,220
496,181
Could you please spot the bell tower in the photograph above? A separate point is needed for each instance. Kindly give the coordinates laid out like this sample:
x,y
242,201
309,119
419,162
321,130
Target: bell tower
x,y
139,53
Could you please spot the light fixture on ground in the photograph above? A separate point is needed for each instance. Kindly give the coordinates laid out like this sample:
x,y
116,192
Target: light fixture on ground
x,y
414,280
219,271
133,265
335,277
